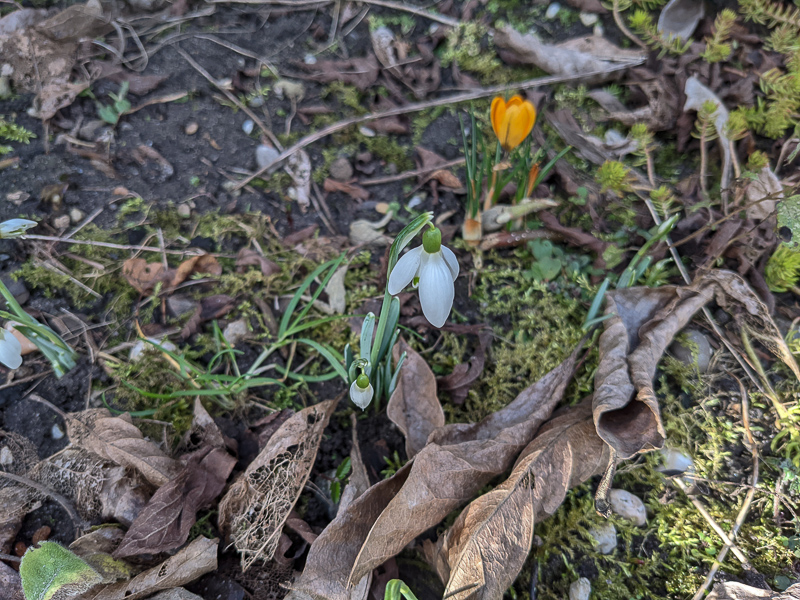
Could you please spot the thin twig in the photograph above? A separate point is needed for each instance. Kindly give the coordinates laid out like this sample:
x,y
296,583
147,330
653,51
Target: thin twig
x,y
51,238
420,106
79,523
624,29
747,500
409,174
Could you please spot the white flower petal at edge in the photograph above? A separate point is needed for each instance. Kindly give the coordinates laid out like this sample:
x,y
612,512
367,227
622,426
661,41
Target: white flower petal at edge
x,y
10,350
451,260
15,227
436,290
404,271
361,396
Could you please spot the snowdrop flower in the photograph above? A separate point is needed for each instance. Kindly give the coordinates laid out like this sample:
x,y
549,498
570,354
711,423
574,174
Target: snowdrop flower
x,y
361,391
433,268
15,228
10,350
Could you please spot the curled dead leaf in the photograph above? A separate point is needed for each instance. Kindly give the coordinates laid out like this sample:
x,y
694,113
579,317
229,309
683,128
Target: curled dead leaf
x,y
250,258
356,192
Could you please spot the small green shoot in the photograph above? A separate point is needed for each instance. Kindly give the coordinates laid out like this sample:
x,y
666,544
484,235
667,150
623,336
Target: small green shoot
x,y
396,588
340,479
111,113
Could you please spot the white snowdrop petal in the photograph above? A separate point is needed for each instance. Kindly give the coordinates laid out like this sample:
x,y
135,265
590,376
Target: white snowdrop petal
x,y
10,350
361,397
436,289
451,260
404,271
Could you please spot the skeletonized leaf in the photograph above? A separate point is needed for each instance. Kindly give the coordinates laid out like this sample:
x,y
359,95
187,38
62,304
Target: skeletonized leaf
x,y
456,462
190,563
117,439
643,325
414,406
51,572
480,556
165,522
257,505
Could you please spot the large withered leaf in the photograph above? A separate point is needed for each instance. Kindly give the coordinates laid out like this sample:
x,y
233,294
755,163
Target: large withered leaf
x,y
257,505
334,552
644,322
481,555
165,522
732,590
190,563
414,406
117,439
457,461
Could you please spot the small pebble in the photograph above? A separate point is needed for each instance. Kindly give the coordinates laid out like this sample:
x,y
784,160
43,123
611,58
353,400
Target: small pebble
x,y
599,30
61,222
191,128
6,457
588,19
76,215
266,155
56,432
137,351
256,101
628,506
414,202
366,131
605,535
341,169
552,11
310,59
248,126
580,590
236,332
685,355
184,211
676,462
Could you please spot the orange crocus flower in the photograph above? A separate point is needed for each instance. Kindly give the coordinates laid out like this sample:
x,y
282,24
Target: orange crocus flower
x,y
512,121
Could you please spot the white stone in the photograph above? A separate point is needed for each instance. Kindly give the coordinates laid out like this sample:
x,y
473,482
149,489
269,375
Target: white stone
x,y
191,128
310,59
61,222
676,462
605,536
414,202
76,215
56,432
6,457
139,347
588,19
184,211
366,131
685,353
266,155
248,126
236,331
580,590
552,11
628,506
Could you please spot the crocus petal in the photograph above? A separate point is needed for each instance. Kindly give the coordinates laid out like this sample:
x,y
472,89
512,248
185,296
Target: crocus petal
x,y
515,100
361,397
497,112
524,121
436,289
404,271
451,260
10,350
508,127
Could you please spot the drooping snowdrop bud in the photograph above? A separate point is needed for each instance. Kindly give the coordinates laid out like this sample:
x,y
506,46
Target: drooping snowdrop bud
x,y
15,228
361,391
434,268
10,350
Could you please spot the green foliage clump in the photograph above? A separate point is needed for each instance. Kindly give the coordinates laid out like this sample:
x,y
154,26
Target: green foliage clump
x,y
783,269
766,12
14,133
465,48
757,161
718,47
642,23
704,128
613,175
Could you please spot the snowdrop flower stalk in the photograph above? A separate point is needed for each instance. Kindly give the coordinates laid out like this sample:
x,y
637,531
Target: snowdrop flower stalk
x,y
370,371
61,356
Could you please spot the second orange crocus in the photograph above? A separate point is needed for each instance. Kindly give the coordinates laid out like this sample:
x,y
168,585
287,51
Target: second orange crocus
x,y
512,121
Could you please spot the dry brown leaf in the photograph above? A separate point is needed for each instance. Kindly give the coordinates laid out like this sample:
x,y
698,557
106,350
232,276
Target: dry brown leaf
x,y
165,522
117,439
360,72
203,263
457,461
446,178
191,562
590,54
210,307
10,583
732,590
335,550
459,382
356,192
643,325
254,510
250,258
414,406
144,276
480,556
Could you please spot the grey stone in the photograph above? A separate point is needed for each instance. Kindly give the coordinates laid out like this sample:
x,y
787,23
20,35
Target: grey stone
x,y
191,128
248,126
676,462
61,222
341,169
180,305
56,432
236,331
605,535
580,590
628,506
184,211
684,352
588,19
266,155
17,289
137,351
552,11
91,129
76,216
